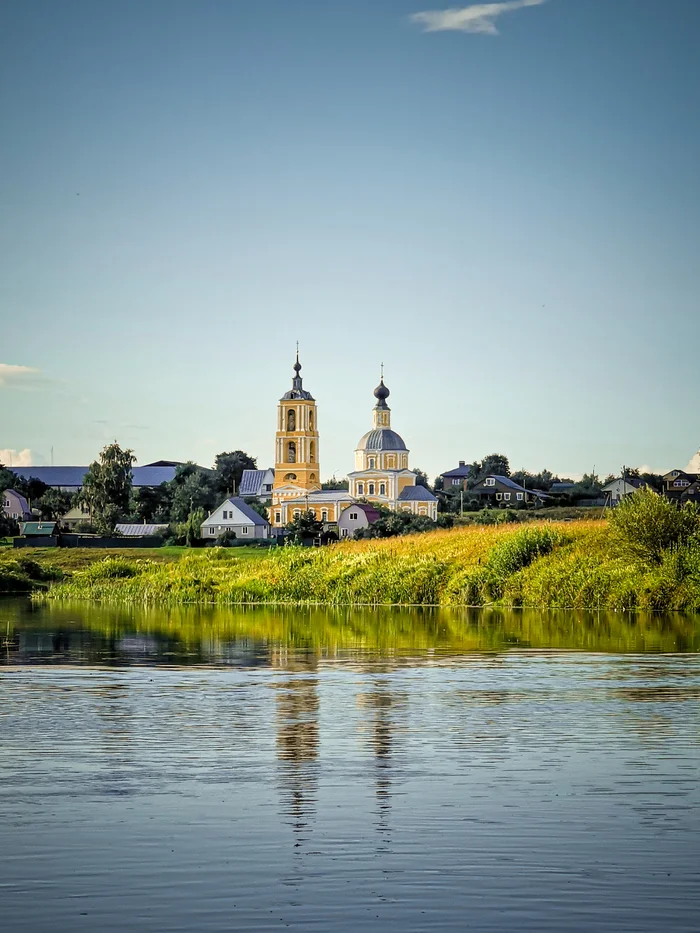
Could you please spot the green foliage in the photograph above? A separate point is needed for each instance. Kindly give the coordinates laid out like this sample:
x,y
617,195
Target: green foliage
x,y
258,507
229,468
226,538
111,568
422,478
646,525
9,528
334,483
305,525
189,532
194,488
54,504
153,504
107,487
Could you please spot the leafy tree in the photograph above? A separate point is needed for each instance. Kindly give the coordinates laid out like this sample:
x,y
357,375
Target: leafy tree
x,y
647,525
304,525
334,483
107,487
54,504
391,524
153,504
190,530
258,507
654,480
194,489
494,465
8,479
421,478
8,526
229,469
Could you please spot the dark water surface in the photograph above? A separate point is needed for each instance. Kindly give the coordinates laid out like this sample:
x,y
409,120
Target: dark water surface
x,y
273,769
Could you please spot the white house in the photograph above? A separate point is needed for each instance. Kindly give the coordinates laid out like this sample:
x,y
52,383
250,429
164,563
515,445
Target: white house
x,y
235,515
621,487
15,506
358,515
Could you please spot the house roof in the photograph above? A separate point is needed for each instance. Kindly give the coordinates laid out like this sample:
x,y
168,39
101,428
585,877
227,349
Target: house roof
x,y
138,531
74,476
243,507
21,501
459,472
252,482
509,484
416,493
43,529
370,512
561,487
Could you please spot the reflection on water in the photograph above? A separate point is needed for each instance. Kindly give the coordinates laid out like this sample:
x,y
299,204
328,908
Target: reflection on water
x,y
281,635
205,770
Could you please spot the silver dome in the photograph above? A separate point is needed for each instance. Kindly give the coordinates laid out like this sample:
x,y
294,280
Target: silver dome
x,y
381,439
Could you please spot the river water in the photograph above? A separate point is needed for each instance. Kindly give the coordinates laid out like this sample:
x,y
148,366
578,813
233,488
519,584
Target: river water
x,y
273,769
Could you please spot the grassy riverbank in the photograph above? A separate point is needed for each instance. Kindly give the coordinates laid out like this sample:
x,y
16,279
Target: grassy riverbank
x,y
558,565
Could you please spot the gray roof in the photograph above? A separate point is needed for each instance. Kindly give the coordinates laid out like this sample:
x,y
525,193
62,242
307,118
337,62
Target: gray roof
x,y
73,476
322,495
419,493
137,531
381,439
247,511
458,471
252,482
510,484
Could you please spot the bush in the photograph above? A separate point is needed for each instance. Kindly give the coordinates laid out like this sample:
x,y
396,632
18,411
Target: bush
x,y
111,568
647,525
226,538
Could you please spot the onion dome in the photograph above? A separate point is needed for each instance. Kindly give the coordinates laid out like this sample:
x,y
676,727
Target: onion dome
x,y
297,391
381,393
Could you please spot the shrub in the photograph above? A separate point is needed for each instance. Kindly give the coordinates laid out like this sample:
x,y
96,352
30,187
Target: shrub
x,y
647,525
226,538
111,568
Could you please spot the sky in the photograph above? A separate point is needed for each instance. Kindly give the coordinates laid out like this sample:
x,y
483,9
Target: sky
x,y
499,201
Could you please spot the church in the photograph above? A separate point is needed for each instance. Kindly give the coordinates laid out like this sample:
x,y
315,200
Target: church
x,y
381,475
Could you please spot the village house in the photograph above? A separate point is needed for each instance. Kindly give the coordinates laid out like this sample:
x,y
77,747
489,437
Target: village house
x,y
677,482
619,488
503,492
15,506
237,516
257,484
356,516
457,478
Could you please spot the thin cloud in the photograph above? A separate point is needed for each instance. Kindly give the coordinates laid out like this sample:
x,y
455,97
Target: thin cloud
x,y
16,458
478,18
12,375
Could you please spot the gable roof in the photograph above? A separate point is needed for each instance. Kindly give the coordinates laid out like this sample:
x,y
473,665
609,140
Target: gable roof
x,y
509,484
243,507
461,472
252,482
416,493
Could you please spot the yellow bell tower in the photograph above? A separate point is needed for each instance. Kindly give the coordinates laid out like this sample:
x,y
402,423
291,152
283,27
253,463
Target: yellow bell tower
x,y
296,445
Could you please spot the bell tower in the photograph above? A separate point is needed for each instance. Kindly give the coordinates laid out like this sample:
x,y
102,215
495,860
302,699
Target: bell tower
x,y
296,445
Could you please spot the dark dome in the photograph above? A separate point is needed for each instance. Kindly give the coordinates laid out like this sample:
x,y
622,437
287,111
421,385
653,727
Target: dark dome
x,y
381,392
381,439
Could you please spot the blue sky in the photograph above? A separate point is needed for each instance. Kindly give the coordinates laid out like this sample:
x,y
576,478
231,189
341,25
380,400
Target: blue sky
x,y
501,203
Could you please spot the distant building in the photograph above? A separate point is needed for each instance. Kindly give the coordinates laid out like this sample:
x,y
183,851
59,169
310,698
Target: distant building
x,y
79,514
15,506
677,482
39,529
71,479
618,489
456,479
502,491
257,484
136,530
358,515
235,515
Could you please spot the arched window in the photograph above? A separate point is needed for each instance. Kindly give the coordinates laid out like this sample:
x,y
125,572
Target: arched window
x,y
324,515
311,420
291,452
382,489
312,476
371,489
360,489
291,420
372,463
312,451
297,513
290,476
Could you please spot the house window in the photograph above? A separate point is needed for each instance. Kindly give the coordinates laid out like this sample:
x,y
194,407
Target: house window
x,y
506,495
212,531
455,482
499,495
519,496
244,530
225,515
360,489
353,516
382,489
371,489
489,481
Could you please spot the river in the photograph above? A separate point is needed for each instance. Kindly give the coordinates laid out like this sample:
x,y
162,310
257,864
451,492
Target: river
x,y
342,770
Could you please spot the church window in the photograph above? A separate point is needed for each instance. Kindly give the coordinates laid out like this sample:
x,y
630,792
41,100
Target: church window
x,y
371,489
297,513
360,489
382,489
390,463
311,421
290,477
372,463
291,420
324,515
312,476
291,452
312,513
278,517
312,451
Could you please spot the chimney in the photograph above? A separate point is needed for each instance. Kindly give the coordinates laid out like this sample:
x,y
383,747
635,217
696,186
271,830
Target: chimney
x,y
461,462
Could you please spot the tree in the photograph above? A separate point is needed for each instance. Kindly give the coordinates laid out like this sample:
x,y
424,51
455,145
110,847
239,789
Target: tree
x,y
229,469
647,525
107,487
334,483
54,504
190,530
258,507
153,503
194,489
421,478
303,526
494,465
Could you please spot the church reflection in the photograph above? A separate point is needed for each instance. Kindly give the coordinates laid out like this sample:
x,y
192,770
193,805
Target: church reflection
x,y
379,705
297,740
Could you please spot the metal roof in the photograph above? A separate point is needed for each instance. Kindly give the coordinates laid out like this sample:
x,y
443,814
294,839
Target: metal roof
x,y
322,495
43,529
509,484
458,471
59,476
138,531
243,507
252,482
416,493
381,439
